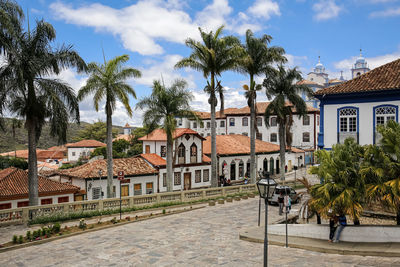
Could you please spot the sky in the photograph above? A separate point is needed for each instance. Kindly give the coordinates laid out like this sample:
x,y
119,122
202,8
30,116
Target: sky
x,y
153,34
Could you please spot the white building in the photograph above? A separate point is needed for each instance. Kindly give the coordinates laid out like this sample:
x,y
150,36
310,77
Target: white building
x,y
360,67
140,177
355,108
82,149
237,121
233,155
191,168
14,190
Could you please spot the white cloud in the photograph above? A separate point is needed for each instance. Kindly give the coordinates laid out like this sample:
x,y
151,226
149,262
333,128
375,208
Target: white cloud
x,y
214,15
326,9
264,9
391,12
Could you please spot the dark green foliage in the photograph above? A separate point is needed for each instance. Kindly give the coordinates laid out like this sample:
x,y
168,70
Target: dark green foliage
x,y
15,239
28,235
20,239
56,227
96,131
6,162
119,150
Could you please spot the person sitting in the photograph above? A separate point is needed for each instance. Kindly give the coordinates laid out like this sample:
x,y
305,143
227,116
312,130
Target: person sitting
x,y
342,224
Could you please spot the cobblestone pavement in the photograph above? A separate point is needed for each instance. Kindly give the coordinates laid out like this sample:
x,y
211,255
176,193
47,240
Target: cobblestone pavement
x,y
204,237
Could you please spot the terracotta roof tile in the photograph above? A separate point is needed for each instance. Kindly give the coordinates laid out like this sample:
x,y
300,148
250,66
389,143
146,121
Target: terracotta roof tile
x,y
154,159
41,155
307,82
130,166
14,184
385,77
206,158
127,137
160,135
86,143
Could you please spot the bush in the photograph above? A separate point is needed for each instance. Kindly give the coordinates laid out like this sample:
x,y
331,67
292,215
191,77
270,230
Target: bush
x,y
163,211
114,220
15,239
56,227
28,235
20,239
82,224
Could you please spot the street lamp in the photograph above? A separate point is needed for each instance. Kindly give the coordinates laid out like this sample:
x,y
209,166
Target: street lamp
x,y
266,188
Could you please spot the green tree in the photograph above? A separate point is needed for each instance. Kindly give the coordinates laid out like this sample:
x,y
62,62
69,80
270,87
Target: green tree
x,y
6,162
163,106
212,57
120,148
96,131
108,81
343,190
381,168
281,84
27,91
257,60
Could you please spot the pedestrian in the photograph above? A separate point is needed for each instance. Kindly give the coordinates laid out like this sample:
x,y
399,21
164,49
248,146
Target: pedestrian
x,y
333,223
281,199
342,224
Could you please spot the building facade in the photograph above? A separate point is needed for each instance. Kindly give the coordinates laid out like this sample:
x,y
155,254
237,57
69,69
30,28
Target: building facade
x,y
82,149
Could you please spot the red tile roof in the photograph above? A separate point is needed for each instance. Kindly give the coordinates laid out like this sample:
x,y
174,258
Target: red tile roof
x,y
235,144
41,155
154,159
385,77
14,185
160,135
131,167
307,82
86,143
127,137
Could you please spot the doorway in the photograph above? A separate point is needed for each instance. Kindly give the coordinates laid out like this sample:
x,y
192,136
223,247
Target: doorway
x,y
124,190
187,180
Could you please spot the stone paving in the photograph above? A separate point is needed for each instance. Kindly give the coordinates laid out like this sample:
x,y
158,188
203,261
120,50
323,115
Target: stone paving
x,y
203,237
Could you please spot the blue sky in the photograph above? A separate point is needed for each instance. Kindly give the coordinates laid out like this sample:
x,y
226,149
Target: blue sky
x,y
152,33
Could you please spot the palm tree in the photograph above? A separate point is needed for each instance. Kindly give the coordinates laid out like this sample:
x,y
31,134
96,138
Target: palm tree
x,y
281,85
163,106
28,92
213,56
381,169
257,60
15,123
108,81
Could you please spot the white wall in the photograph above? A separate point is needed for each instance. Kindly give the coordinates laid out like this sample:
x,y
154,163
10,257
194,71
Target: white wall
x,y
14,203
365,121
78,152
191,170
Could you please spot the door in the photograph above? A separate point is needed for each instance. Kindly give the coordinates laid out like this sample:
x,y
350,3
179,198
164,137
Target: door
x,y
147,149
124,190
187,180
290,167
79,198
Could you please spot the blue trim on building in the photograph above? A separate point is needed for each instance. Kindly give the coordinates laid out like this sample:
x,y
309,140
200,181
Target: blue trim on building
x,y
361,97
321,126
337,120
374,119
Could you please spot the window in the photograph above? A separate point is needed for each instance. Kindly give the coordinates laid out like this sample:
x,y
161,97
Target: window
x,y
73,154
83,154
259,121
222,124
147,149
245,121
245,134
208,124
384,114
96,192
163,151
5,206
348,120
306,120
197,176
193,153
273,137
177,178
149,188
317,120
306,137
164,180
24,204
63,199
179,122
259,136
194,125
273,122
232,122
241,168
181,154
201,124
137,189
206,175
46,201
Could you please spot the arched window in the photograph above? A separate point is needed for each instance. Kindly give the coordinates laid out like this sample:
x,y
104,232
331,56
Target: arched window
x,y
383,114
245,121
277,166
233,170
181,154
193,153
347,123
271,166
265,165
241,168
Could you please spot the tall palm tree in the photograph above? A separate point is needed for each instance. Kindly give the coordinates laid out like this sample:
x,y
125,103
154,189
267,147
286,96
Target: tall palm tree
x,y
258,59
163,106
29,93
213,56
108,81
381,169
281,84
15,123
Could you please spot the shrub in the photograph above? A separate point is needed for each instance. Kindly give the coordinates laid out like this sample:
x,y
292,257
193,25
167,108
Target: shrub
x,y
114,220
39,232
28,235
163,211
56,227
15,239
20,239
82,224
35,234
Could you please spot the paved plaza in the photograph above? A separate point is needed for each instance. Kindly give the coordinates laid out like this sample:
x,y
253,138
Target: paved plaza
x,y
203,237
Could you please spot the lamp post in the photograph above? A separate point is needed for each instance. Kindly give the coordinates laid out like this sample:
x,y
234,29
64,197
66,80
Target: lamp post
x,y
182,181
101,192
266,187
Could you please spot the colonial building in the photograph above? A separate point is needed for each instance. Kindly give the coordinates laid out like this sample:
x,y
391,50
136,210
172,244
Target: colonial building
x,y
82,149
127,135
355,108
233,155
14,190
191,169
140,177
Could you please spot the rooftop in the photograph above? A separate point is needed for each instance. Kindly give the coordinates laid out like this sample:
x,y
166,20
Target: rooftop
x,y
160,135
41,155
86,143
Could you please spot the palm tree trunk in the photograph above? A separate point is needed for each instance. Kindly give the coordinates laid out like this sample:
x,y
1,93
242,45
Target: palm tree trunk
x,y
318,218
252,141
398,216
282,145
109,151
170,162
32,163
214,179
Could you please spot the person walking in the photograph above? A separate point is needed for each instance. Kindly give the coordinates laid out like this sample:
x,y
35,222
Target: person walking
x,y
281,199
342,225
333,223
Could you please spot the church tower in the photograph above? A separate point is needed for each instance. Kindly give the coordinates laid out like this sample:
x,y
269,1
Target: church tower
x,y
318,75
360,67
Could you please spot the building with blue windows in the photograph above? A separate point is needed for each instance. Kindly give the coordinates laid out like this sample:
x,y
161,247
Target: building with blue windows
x,y
355,108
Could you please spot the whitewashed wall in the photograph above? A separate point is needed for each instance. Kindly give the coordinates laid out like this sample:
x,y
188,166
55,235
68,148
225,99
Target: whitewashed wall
x,y
191,170
14,202
78,152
